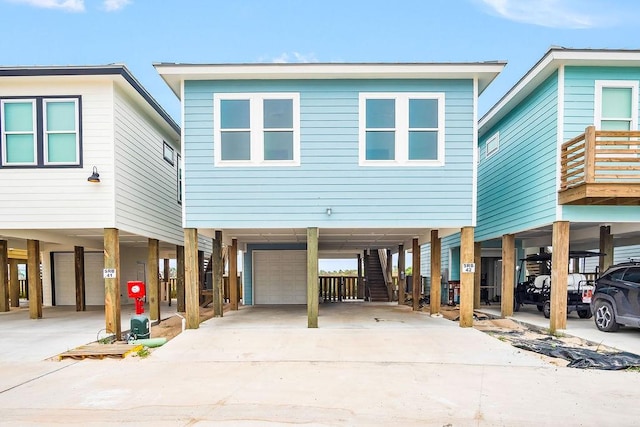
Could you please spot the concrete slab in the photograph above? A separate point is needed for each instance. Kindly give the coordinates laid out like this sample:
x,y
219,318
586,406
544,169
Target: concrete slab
x,y
384,366
625,339
61,328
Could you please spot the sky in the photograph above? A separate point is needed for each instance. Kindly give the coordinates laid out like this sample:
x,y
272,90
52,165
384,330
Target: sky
x,y
139,33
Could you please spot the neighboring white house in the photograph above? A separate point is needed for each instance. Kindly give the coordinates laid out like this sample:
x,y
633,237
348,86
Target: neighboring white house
x,y
59,126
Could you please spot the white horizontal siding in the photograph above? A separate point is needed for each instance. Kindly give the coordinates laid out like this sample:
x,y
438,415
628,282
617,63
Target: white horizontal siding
x,y
38,198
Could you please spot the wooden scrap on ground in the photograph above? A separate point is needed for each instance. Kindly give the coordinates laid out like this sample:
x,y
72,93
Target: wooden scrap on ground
x,y
100,351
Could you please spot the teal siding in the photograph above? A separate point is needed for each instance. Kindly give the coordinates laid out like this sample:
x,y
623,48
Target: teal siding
x,y
579,113
601,213
579,97
454,262
329,175
517,185
247,263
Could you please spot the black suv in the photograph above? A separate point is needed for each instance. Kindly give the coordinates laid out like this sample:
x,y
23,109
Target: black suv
x,y
616,299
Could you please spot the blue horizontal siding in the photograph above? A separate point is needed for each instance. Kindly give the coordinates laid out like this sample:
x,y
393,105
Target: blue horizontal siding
x,y
620,254
517,185
329,174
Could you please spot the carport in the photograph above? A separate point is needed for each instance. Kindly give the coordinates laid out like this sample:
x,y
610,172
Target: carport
x,y
281,265
68,268
560,237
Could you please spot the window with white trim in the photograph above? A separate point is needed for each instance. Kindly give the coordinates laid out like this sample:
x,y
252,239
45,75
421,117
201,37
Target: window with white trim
x,y
402,129
40,132
616,105
493,144
167,153
257,129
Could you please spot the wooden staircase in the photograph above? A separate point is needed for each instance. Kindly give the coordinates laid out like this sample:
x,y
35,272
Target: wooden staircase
x,y
375,279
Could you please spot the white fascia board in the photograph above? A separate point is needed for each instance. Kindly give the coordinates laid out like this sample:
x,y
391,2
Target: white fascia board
x,y
550,62
485,72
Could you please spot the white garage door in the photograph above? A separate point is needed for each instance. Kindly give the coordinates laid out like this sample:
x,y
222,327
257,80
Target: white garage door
x,y
280,277
65,278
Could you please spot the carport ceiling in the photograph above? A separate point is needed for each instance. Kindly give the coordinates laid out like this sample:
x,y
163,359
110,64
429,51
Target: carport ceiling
x,y
89,238
583,235
348,240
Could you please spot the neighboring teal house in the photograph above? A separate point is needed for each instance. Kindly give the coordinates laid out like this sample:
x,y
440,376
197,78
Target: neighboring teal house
x,y
291,162
558,166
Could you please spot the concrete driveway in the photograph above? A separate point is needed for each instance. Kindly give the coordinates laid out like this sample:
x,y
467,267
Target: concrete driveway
x,y
61,328
367,364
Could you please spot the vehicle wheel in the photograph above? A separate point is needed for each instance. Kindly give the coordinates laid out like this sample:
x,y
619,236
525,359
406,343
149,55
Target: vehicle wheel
x,y
539,307
584,314
605,318
546,309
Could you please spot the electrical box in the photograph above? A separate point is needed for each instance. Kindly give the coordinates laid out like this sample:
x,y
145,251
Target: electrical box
x,y
140,326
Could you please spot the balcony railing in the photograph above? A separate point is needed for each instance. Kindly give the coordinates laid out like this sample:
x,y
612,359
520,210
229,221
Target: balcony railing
x,y
600,167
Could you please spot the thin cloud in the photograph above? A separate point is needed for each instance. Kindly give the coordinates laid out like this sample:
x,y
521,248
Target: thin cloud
x,y
115,5
568,14
65,5
73,5
285,57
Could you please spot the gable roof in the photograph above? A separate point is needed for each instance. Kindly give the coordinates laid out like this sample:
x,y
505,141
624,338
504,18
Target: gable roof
x,y
113,70
174,73
546,66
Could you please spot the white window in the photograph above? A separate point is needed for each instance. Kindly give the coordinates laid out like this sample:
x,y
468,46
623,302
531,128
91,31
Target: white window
x,y
257,129
40,131
401,129
493,144
616,105
19,142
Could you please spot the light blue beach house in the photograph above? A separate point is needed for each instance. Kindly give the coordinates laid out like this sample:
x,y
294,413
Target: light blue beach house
x,y
291,162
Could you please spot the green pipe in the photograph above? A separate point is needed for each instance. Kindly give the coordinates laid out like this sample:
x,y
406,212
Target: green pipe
x,y
150,342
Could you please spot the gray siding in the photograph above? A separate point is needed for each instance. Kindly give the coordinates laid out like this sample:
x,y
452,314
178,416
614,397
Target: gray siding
x,y
146,184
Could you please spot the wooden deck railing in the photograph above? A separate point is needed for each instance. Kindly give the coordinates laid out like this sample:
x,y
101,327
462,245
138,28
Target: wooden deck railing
x,y
598,156
338,288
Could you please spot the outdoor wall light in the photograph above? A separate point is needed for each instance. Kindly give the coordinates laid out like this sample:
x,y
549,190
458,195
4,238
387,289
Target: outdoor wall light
x,y
95,176
329,211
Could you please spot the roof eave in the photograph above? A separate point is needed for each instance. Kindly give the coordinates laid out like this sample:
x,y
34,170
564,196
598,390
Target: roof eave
x,y
551,61
112,70
174,74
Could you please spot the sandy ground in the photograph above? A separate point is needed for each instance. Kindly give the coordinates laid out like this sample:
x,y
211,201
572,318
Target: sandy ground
x,y
508,330
171,327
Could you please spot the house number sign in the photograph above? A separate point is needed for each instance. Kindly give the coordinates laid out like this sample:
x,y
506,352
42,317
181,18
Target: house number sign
x,y
469,267
109,273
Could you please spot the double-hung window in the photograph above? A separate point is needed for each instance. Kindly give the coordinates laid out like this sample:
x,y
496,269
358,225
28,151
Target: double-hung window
x,y
402,129
257,129
40,132
616,105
